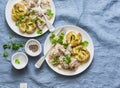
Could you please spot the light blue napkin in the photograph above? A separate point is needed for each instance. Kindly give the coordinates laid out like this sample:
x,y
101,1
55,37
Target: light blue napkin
x,y
100,18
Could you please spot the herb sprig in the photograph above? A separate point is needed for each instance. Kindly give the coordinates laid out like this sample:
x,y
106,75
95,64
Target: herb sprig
x,y
13,46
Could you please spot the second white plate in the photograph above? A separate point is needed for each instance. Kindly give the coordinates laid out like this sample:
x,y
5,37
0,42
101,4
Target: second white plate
x,y
11,23
90,47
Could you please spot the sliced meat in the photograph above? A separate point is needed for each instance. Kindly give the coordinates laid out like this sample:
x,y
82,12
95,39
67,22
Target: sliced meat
x,y
74,64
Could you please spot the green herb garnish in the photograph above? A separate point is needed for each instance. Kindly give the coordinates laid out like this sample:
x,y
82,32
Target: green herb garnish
x,y
11,36
65,45
55,60
16,46
50,13
6,46
67,59
52,39
59,40
5,54
52,36
35,19
17,23
85,43
17,61
21,44
33,12
39,31
21,18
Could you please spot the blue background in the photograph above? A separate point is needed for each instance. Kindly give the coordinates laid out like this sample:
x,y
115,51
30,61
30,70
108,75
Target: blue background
x,y
100,18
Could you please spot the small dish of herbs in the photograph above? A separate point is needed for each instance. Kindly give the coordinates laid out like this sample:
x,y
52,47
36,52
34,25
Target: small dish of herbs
x,y
19,60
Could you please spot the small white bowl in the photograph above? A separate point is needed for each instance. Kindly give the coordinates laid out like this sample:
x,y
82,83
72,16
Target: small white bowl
x,y
22,60
33,42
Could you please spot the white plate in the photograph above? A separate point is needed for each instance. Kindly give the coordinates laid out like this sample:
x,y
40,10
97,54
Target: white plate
x,y
90,47
12,25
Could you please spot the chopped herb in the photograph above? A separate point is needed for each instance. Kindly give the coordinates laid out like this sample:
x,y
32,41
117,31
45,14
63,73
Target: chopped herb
x,y
59,40
15,46
21,18
11,36
33,12
55,60
65,45
52,36
53,41
35,19
85,43
50,13
39,31
21,44
17,61
61,36
67,59
5,54
17,23
6,46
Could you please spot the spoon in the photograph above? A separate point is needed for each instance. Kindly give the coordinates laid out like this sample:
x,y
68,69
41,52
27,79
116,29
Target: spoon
x,y
41,60
49,25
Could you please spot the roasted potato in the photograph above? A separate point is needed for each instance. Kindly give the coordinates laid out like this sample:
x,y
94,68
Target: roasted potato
x,y
27,26
17,11
81,53
73,38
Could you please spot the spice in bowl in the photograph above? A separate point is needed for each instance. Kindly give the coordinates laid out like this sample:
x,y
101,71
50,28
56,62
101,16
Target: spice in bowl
x,y
33,48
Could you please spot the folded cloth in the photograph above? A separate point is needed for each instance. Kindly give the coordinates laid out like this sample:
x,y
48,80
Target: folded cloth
x,y
100,18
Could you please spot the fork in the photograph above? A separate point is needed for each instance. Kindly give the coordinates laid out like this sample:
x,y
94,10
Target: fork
x,y
49,25
41,60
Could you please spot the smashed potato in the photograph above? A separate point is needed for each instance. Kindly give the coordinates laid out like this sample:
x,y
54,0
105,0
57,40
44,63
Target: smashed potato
x,y
73,38
17,11
81,53
27,26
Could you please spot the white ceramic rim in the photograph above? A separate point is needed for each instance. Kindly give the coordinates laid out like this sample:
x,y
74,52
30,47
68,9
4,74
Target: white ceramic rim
x,y
22,54
40,47
15,29
88,63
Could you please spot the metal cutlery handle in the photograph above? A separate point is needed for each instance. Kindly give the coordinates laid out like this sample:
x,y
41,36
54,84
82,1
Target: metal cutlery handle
x,y
49,25
39,62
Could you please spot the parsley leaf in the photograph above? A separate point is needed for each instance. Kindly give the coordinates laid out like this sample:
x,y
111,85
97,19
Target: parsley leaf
x,y
65,45
5,54
67,59
17,61
50,13
85,43
39,31
55,60
11,36
6,46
